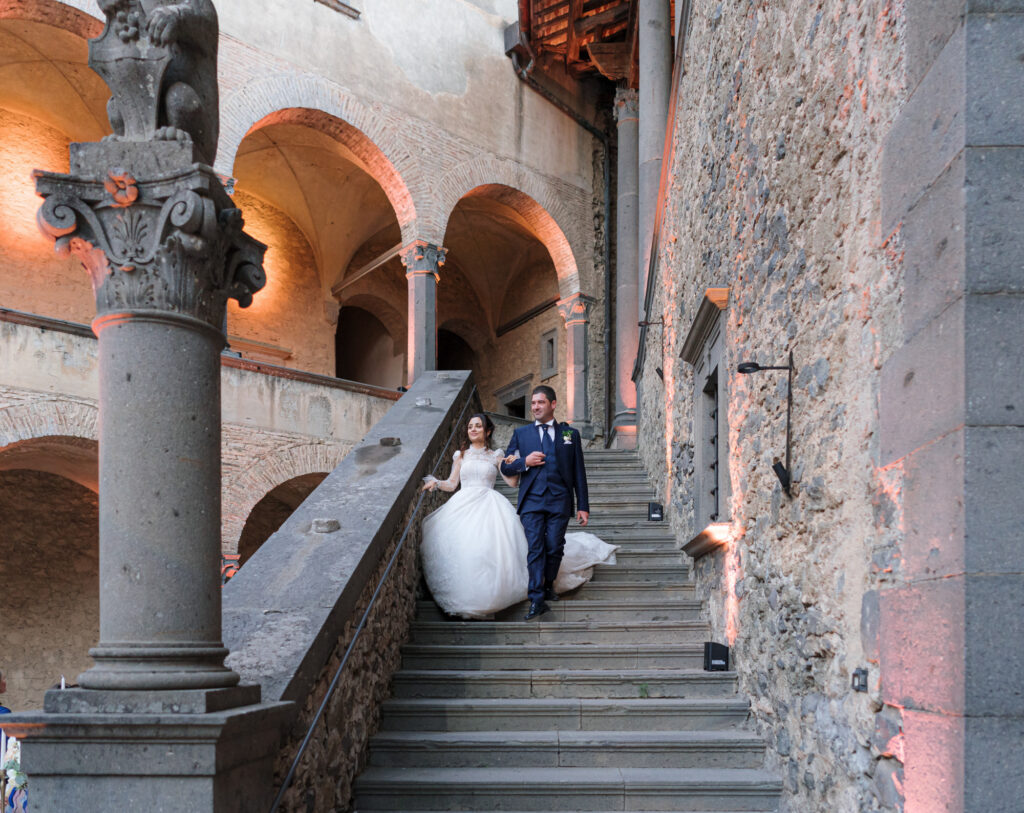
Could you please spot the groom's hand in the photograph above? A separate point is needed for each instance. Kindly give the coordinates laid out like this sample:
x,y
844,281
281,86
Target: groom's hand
x,y
535,459
583,517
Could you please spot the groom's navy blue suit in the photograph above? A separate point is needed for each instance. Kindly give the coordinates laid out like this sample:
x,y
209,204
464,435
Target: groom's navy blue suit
x,y
547,494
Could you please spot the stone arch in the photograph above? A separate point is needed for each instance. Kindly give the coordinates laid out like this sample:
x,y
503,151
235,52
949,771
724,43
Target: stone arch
x,y
393,319
542,206
315,102
48,418
241,494
51,12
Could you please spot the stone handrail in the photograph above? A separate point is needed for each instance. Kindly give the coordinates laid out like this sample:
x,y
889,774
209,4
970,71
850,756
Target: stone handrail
x,y
292,611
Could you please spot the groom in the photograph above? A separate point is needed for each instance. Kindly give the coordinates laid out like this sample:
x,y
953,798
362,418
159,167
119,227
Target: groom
x,y
551,464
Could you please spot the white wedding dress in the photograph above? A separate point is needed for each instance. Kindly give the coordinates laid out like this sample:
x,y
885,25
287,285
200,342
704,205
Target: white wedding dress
x,y
474,547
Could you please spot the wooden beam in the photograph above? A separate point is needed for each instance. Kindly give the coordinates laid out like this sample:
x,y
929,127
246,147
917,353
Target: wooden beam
x,y
610,15
633,38
373,265
572,53
525,19
610,58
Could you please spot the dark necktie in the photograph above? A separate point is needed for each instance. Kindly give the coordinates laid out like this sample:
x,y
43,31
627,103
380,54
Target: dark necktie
x,y
547,445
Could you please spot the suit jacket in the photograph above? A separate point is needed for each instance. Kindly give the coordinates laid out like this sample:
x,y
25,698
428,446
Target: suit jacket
x,y
568,458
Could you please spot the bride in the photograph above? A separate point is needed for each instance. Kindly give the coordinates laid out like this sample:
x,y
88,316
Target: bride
x,y
474,548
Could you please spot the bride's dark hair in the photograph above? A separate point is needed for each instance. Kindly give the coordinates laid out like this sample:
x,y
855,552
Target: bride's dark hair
x,y
488,431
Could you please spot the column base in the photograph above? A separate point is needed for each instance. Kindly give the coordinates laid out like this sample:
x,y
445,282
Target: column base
x,y
161,763
192,701
623,437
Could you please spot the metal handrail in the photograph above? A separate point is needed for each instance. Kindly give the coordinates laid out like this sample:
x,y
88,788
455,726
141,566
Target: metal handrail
x,y
362,621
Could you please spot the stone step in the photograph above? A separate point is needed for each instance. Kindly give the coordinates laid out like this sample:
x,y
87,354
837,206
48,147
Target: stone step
x,y
632,572
567,749
641,554
577,789
649,591
581,683
562,714
558,632
579,609
554,656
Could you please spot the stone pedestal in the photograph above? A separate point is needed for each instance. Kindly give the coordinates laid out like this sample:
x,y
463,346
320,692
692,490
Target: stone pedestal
x,y
423,263
627,263
575,309
217,762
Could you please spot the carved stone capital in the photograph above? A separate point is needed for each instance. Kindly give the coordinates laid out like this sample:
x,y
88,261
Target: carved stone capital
x,y
152,238
575,309
421,257
627,105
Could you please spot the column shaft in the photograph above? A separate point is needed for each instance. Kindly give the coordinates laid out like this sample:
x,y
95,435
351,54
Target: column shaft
x,y
654,31
627,262
423,262
159,465
575,309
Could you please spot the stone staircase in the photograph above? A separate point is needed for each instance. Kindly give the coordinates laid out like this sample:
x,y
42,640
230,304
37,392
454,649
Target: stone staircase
x,y
599,705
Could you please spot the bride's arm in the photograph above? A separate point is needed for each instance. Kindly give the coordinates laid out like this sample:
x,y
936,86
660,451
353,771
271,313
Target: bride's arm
x,y
430,482
512,480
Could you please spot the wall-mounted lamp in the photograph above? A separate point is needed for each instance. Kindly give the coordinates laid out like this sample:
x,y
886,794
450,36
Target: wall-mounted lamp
x,y
648,324
859,681
783,472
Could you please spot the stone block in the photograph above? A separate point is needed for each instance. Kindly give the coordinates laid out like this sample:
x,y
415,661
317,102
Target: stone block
x,y
208,763
933,509
994,219
994,359
994,532
994,634
994,77
933,237
922,645
929,25
927,134
922,389
934,766
995,6
993,756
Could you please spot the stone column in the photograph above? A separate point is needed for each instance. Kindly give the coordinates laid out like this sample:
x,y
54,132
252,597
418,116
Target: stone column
x,y
653,21
423,263
626,330
575,309
159,717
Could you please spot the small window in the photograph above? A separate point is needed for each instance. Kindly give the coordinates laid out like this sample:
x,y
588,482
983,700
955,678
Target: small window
x,y
549,354
512,398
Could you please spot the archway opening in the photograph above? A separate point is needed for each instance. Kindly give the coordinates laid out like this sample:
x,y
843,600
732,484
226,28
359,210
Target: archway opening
x,y
49,568
500,283
454,352
270,512
366,351
48,98
309,194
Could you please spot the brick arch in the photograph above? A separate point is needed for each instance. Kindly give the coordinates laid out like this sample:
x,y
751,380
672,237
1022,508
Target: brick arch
x,y
56,436
241,494
537,201
51,12
315,102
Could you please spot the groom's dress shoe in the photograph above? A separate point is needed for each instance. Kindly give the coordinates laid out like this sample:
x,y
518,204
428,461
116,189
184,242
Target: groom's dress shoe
x,y
537,608
551,595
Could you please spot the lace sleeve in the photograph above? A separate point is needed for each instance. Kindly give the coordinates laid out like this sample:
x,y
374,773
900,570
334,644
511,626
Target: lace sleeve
x,y
512,480
452,482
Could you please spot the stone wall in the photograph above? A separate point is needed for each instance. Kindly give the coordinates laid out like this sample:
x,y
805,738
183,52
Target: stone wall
x,y
49,572
774,194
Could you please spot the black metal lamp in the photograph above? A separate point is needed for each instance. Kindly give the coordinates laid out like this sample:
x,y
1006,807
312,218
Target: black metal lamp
x,y
783,472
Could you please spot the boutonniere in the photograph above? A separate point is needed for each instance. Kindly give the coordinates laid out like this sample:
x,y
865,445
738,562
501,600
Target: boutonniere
x,y
567,436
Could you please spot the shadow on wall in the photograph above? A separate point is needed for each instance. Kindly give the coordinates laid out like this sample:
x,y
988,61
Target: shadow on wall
x,y
270,513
